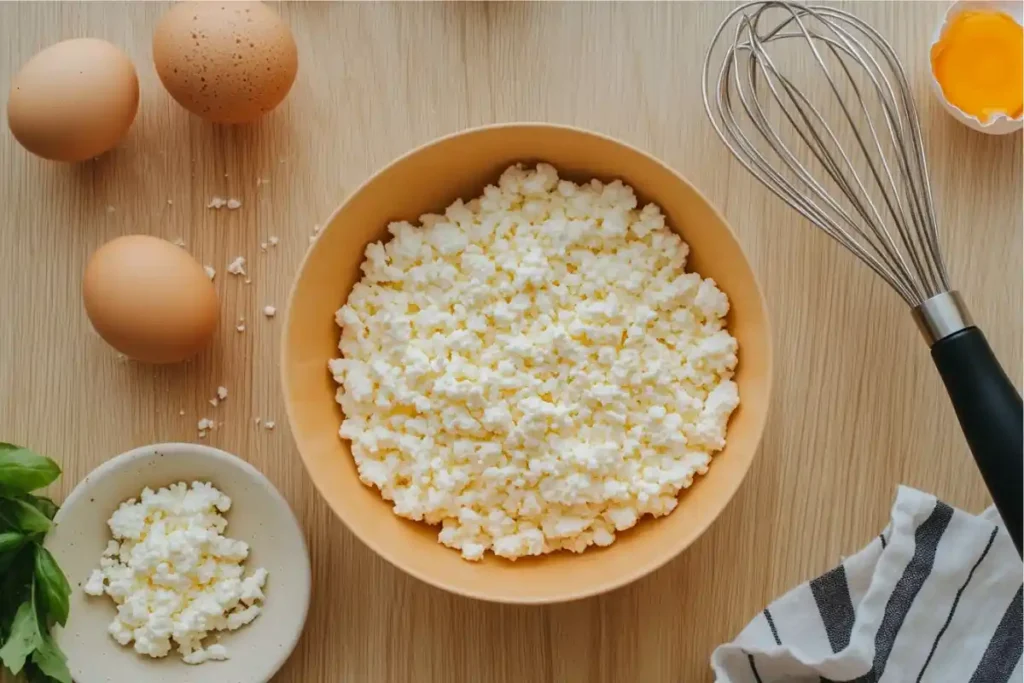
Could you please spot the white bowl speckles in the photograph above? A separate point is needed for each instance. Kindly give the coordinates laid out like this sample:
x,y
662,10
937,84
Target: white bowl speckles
x,y
1000,124
259,515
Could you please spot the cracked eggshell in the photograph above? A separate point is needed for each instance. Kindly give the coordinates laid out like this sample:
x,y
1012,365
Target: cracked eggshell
x,y
1000,124
228,62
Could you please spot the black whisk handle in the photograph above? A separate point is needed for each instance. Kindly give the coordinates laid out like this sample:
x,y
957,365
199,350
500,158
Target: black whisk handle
x,y
991,416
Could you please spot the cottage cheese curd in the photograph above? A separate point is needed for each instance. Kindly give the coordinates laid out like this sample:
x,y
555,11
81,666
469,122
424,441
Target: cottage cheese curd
x,y
534,370
174,576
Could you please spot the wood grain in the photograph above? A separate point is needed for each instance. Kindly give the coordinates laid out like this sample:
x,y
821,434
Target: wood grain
x,y
858,409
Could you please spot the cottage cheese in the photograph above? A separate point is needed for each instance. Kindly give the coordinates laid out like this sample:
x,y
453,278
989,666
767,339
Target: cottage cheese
x,y
174,576
237,267
534,370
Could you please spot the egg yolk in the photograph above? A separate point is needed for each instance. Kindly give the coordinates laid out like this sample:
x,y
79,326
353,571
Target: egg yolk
x,y
979,62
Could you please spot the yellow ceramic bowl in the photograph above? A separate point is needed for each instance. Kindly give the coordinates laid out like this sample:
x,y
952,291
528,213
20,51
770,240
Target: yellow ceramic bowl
x,y
426,180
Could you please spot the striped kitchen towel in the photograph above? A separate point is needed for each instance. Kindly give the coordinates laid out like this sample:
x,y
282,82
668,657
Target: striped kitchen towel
x,y
936,598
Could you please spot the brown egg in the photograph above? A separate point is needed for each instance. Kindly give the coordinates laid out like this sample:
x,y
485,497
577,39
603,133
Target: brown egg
x,y
228,62
149,299
74,100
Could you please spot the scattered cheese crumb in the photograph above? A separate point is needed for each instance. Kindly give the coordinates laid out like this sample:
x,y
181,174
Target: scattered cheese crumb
x,y
234,204
263,246
269,424
204,424
210,272
179,243
170,202
273,240
237,267
181,412
258,420
240,327
217,203
222,393
269,311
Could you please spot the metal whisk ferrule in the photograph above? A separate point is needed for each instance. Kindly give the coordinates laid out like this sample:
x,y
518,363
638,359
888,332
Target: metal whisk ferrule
x,y
941,316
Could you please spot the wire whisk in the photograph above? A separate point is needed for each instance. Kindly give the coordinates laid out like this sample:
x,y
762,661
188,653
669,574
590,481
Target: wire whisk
x,y
816,105
885,213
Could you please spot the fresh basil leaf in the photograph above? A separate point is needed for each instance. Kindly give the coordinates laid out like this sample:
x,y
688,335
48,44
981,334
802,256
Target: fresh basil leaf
x,y
51,590
24,638
15,587
43,504
51,661
10,544
22,471
10,541
33,674
21,515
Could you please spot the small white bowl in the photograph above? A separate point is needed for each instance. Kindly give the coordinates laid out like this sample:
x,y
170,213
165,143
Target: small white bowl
x,y
1000,124
259,515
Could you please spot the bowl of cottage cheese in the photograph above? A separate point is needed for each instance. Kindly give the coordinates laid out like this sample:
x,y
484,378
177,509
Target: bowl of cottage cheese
x,y
527,363
185,564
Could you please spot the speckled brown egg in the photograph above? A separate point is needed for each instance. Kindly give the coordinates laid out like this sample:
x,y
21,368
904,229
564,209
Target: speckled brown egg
x,y
228,62
149,299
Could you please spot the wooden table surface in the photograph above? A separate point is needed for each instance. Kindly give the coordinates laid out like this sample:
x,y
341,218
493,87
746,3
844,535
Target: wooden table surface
x,y
857,408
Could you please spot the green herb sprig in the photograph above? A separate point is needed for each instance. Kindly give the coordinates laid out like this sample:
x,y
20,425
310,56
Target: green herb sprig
x,y
34,592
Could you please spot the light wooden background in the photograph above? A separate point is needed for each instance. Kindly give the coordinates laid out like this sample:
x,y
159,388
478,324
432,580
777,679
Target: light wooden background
x,y
857,408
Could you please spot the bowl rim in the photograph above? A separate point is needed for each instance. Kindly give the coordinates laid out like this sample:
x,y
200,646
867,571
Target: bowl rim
x,y
152,450
597,588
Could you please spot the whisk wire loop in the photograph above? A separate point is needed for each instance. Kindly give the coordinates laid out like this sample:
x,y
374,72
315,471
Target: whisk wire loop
x,y
874,195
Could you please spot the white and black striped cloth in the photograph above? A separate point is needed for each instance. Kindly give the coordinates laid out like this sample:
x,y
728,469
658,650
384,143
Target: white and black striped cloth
x,y
935,598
